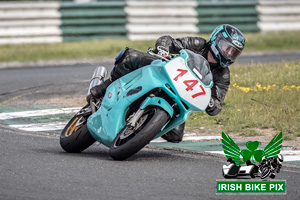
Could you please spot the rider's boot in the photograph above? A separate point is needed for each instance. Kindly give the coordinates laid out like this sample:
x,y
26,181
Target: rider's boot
x,y
175,135
99,90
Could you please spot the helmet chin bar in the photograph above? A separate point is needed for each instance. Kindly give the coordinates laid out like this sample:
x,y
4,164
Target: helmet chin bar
x,y
214,50
210,57
217,56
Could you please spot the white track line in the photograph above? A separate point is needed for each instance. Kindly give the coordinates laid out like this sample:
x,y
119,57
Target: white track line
x,y
41,126
187,138
33,113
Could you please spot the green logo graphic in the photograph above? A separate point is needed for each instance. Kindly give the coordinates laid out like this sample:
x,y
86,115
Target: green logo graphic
x,y
232,151
258,163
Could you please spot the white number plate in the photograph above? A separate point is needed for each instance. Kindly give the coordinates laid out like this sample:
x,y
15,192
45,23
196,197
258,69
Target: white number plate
x,y
186,84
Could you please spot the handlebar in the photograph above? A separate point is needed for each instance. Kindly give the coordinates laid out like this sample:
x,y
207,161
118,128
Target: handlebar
x,y
166,53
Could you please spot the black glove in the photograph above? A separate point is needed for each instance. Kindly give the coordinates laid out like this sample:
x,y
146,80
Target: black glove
x,y
214,107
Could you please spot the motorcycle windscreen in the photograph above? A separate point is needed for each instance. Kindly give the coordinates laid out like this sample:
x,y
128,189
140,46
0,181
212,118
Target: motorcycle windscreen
x,y
188,86
200,67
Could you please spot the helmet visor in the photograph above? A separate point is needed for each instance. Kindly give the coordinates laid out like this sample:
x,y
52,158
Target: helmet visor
x,y
228,50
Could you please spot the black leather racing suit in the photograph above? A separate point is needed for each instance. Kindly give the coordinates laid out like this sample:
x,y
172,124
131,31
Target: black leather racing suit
x,y
130,60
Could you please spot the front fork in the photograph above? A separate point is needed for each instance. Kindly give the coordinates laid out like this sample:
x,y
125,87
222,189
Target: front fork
x,y
136,117
93,105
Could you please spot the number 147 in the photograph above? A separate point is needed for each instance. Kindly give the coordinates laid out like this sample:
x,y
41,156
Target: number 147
x,y
190,83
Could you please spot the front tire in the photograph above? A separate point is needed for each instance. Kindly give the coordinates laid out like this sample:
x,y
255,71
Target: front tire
x,y
75,139
265,172
128,143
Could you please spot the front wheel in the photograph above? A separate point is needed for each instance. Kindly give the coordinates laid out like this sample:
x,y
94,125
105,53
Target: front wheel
x,y
76,137
131,140
265,172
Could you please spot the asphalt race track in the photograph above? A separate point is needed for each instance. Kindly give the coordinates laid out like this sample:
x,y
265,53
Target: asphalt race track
x,y
35,167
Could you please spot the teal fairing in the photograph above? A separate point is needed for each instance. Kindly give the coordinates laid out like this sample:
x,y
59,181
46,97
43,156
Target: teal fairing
x,y
109,120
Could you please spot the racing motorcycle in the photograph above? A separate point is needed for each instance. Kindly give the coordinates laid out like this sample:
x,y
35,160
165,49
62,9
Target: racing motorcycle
x,y
141,106
270,166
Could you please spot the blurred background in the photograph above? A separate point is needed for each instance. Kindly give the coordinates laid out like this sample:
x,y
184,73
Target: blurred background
x,y
50,21
109,26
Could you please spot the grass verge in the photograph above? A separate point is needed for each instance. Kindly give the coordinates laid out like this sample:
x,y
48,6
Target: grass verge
x,y
97,49
264,96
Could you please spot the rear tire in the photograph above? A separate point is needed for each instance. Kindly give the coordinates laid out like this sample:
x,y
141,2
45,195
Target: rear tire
x,y
125,146
75,139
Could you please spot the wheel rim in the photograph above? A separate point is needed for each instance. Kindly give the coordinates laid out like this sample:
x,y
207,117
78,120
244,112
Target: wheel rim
x,y
130,130
128,133
73,127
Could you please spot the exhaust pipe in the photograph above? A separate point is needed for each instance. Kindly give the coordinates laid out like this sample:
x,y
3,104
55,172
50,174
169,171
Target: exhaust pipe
x,y
97,78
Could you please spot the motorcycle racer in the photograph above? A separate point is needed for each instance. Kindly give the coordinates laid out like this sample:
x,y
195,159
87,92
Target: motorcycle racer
x,y
222,49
